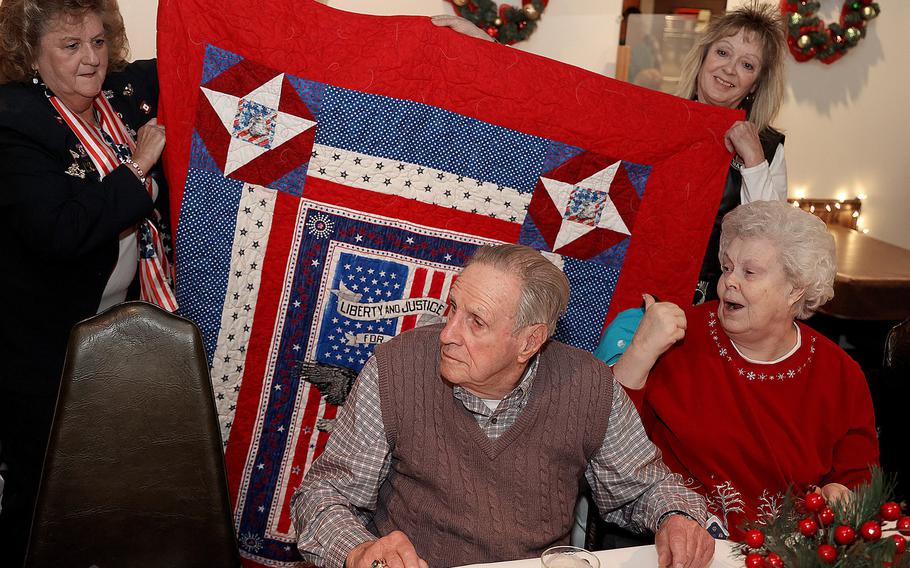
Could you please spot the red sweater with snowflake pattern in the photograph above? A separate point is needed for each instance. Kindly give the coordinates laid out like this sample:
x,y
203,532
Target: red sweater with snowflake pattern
x,y
740,433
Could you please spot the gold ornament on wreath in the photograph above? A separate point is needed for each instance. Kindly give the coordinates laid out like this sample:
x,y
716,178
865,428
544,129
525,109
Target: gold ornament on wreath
x,y
809,38
505,23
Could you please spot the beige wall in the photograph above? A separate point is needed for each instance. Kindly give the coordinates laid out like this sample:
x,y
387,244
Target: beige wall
x,y
846,131
140,19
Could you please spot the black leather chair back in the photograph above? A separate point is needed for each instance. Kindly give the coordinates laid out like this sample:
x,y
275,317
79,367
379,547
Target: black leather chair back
x,y
134,472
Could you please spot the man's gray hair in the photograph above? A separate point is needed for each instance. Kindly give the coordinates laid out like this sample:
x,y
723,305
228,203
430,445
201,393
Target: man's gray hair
x,y
805,249
544,287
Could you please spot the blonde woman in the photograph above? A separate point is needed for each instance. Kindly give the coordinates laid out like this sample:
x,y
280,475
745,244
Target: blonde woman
x,y
739,63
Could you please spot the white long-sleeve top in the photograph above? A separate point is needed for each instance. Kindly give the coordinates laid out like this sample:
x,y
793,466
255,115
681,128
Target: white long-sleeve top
x,y
766,182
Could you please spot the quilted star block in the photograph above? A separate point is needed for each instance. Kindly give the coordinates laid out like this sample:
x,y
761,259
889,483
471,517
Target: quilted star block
x,y
584,209
254,124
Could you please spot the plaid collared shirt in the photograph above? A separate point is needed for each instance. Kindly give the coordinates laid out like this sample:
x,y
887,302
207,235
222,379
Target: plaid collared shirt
x,y
630,484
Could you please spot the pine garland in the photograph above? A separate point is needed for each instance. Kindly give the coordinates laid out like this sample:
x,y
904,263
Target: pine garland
x,y
809,38
505,24
804,531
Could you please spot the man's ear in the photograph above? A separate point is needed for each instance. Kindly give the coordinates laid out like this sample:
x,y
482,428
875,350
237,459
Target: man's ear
x,y
531,339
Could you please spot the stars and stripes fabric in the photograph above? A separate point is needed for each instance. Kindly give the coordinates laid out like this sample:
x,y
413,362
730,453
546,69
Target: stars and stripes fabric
x,y
328,187
109,145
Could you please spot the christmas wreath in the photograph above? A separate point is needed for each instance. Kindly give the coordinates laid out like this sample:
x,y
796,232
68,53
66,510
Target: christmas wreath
x,y
506,24
804,531
809,38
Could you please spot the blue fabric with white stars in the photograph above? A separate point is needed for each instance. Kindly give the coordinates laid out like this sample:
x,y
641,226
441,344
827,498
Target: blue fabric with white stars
x,y
423,134
205,236
591,288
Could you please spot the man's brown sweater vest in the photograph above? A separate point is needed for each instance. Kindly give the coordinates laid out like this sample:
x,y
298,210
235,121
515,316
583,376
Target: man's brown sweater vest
x,y
462,498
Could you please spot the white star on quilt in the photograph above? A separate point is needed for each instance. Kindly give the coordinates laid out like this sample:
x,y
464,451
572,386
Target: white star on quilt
x,y
585,205
254,122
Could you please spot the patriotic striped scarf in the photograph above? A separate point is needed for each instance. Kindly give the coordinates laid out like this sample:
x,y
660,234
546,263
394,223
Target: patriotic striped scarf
x,y
108,146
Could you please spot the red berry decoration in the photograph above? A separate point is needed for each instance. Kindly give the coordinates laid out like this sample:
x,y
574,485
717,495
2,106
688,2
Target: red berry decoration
x,y
814,502
755,538
808,527
826,516
900,545
844,535
890,511
827,553
871,530
903,526
774,560
754,561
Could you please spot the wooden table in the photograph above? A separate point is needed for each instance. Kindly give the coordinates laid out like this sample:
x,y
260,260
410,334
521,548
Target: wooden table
x,y
873,278
634,557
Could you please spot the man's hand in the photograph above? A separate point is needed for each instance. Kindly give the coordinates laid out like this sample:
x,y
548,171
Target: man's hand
x,y
683,543
394,549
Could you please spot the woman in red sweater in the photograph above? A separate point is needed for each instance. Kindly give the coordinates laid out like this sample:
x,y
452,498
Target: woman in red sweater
x,y
742,400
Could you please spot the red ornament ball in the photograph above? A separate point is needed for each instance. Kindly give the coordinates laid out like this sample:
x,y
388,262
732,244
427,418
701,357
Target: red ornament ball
x,y
755,538
826,516
492,31
890,511
844,535
827,553
903,526
774,560
808,527
754,561
871,530
814,502
900,545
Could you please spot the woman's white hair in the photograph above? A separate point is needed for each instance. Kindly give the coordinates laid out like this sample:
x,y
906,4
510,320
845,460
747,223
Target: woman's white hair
x,y
544,287
804,247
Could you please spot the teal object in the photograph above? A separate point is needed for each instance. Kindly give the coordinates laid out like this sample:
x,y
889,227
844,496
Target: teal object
x,y
618,335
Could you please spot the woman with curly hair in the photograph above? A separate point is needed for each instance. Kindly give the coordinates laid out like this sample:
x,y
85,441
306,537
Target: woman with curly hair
x,y
741,399
78,139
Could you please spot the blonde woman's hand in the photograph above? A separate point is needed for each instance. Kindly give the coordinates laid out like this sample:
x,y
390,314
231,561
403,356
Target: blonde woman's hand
x,y
742,139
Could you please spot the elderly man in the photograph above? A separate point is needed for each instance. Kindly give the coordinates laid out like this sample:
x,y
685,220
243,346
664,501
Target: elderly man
x,y
467,443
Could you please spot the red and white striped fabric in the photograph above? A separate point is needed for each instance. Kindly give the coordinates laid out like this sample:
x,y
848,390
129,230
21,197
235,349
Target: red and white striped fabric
x,y
155,273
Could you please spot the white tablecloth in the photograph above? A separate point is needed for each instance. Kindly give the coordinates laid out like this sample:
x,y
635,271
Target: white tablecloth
x,y
635,557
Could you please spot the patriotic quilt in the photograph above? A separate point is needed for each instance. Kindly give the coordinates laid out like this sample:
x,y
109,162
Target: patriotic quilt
x,y
333,171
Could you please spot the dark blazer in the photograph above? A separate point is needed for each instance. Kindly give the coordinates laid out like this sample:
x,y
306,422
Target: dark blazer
x,y
59,224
